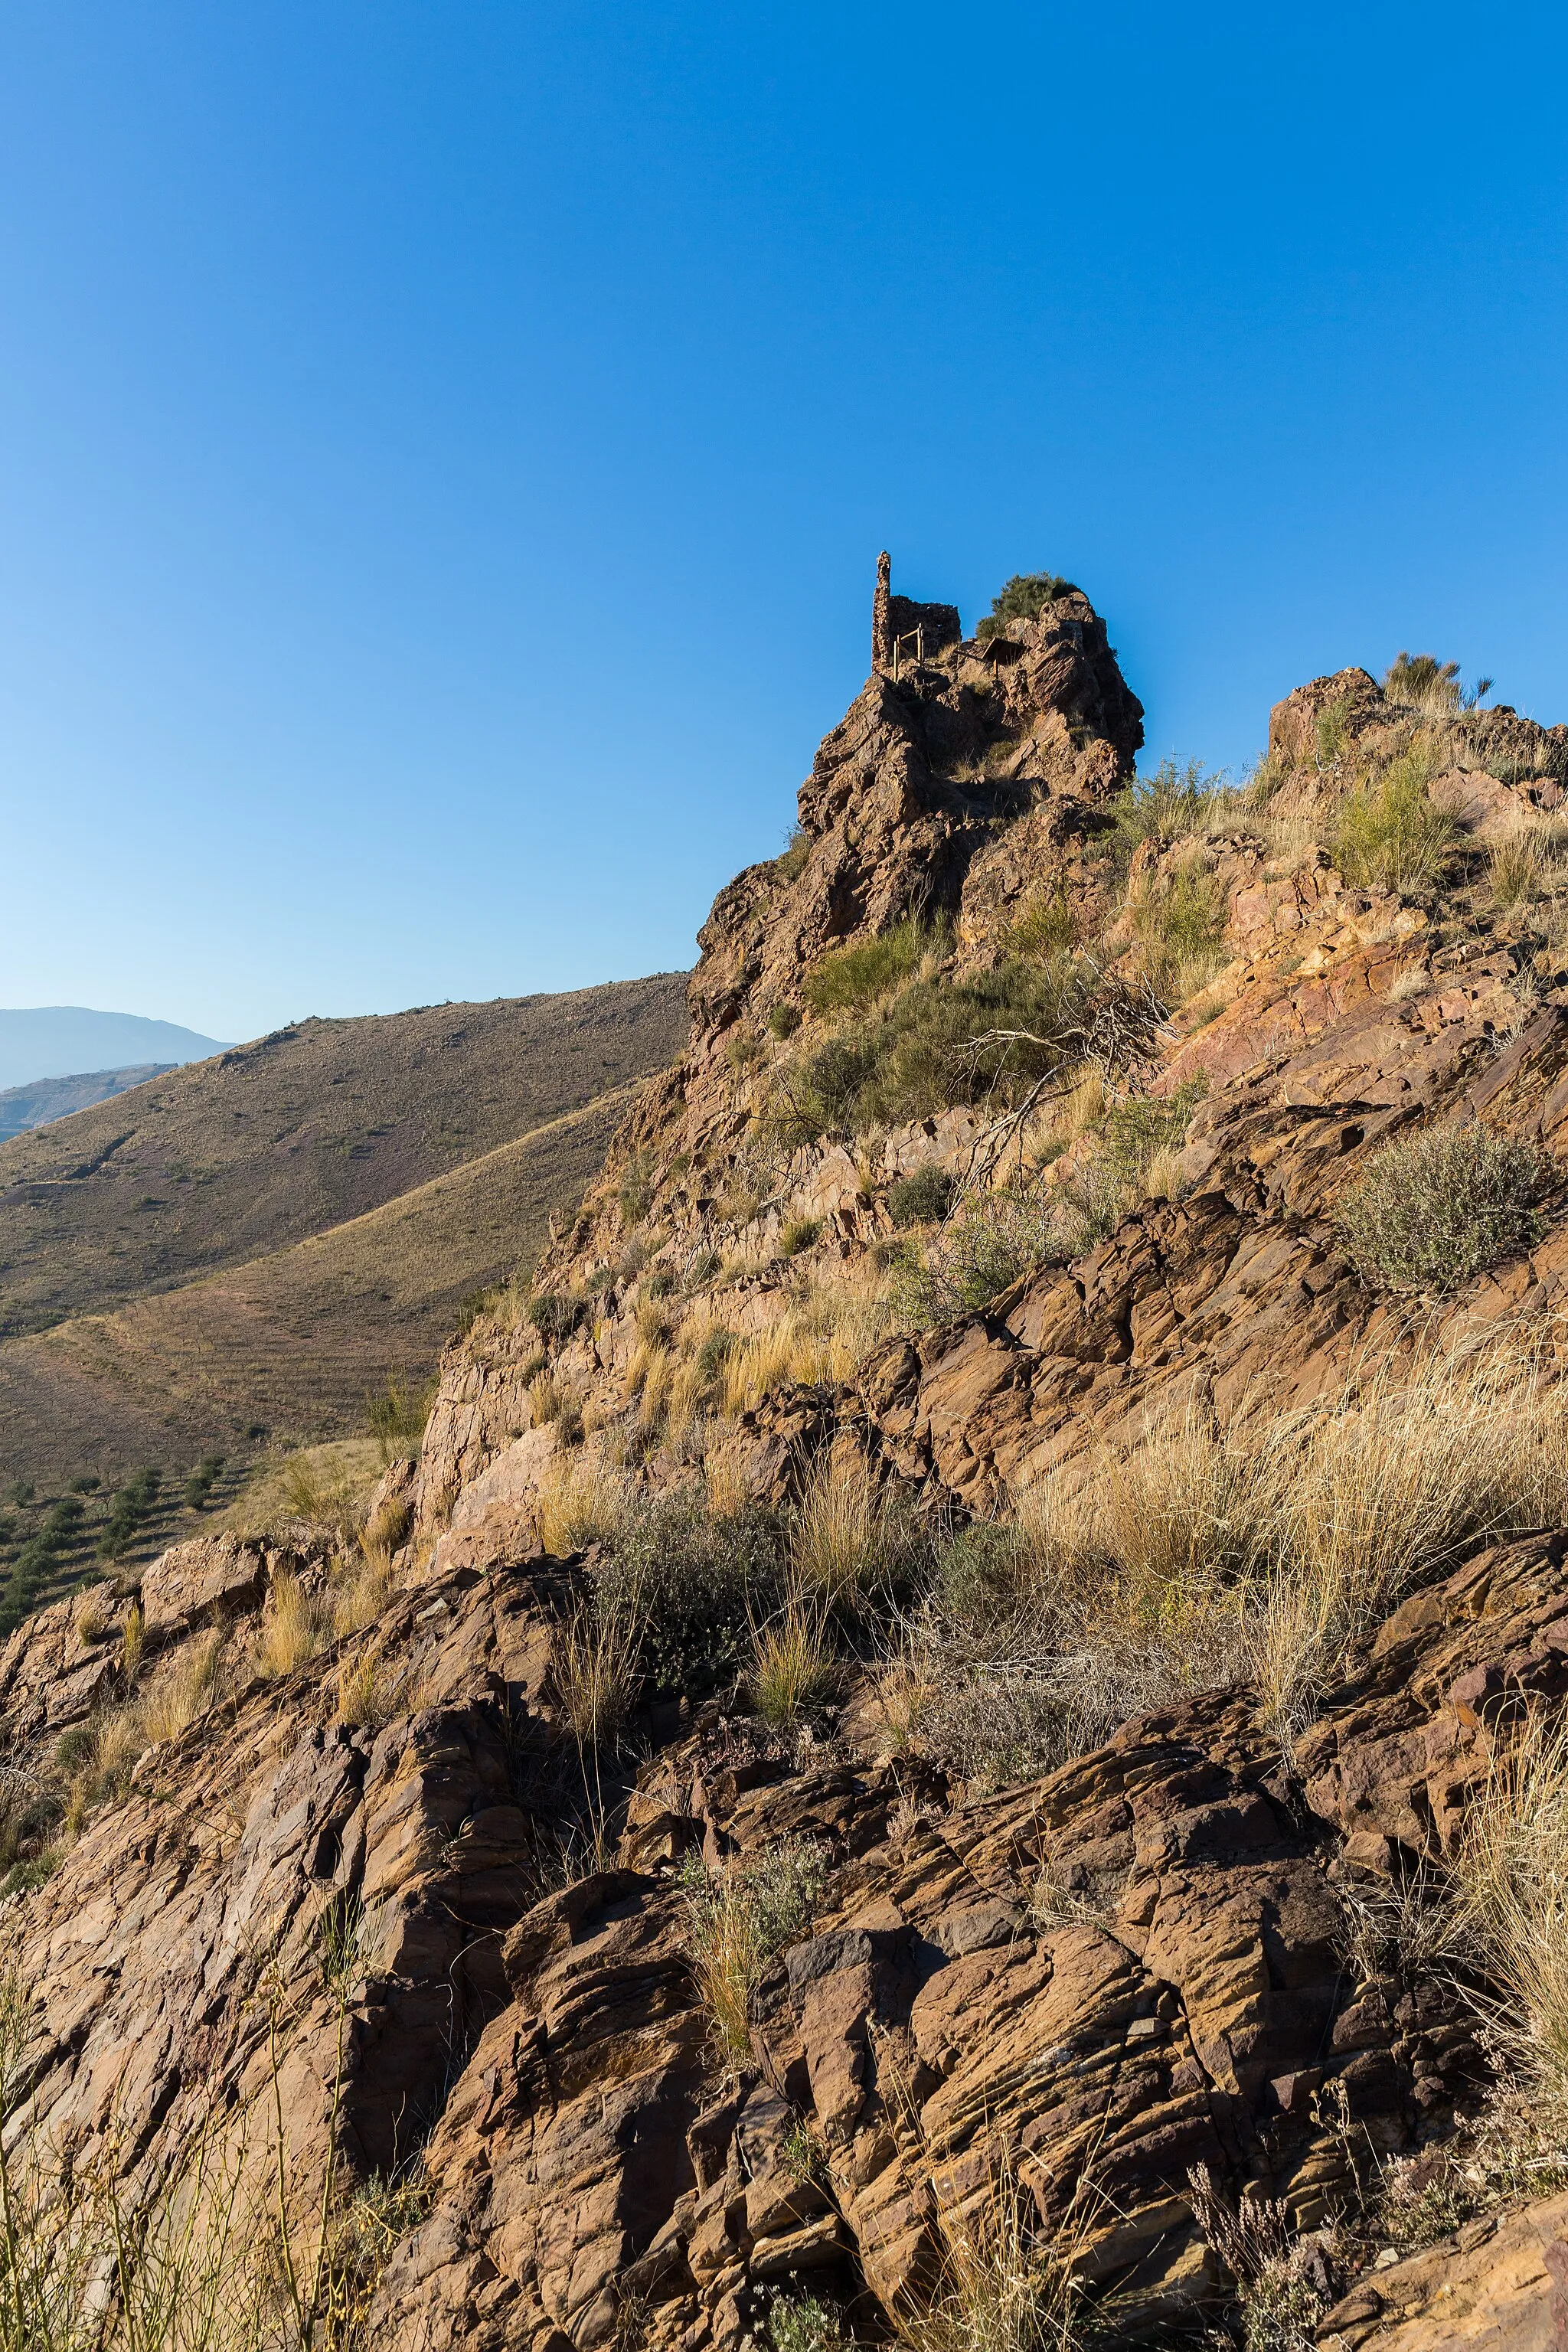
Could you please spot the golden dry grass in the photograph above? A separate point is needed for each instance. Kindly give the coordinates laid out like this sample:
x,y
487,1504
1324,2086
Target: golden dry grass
x,y
847,1539
818,1334
326,1486
1511,1872
593,1665
583,1499
793,1667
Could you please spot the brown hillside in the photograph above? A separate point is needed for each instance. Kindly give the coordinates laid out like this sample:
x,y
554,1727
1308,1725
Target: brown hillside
x,y
235,1157
293,1340
977,1757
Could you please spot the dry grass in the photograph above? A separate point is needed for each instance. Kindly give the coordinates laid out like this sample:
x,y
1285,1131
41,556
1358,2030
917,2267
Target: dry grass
x,y
368,1692
93,1619
181,1692
582,1501
1204,1557
820,1334
847,1540
294,1626
1511,1872
323,1488
793,1669
738,1919
594,1665
1008,2284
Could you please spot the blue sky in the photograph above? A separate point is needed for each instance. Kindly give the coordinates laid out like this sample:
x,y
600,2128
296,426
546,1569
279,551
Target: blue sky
x,y
444,448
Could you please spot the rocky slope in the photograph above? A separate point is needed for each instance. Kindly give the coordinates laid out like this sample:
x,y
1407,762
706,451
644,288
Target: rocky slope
x,y
355,1886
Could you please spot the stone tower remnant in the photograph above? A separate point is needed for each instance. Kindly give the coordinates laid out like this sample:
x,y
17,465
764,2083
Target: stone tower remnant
x,y
897,619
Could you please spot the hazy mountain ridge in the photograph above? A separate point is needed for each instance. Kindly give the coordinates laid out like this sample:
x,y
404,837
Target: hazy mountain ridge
x,y
43,1101
52,1041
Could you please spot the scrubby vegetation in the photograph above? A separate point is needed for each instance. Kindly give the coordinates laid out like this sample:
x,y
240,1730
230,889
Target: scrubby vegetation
x,y
740,1919
1023,598
1391,833
1434,1208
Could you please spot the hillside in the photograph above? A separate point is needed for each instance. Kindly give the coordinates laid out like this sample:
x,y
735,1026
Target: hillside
x,y
48,1041
285,1347
958,1735
233,1159
43,1099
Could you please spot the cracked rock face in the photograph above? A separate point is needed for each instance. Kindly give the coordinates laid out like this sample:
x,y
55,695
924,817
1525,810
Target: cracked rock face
x,y
1089,1983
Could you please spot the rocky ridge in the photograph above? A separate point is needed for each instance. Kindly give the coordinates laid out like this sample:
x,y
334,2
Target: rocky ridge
x,y
324,1907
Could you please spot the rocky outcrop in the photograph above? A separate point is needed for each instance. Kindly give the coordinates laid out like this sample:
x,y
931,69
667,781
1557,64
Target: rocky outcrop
x,y
386,1909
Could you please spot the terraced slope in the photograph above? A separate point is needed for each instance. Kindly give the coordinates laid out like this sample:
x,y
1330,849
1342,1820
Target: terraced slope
x,y
225,1160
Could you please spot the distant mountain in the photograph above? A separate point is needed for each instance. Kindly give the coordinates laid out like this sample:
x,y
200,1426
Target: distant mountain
x,y
25,1107
51,1040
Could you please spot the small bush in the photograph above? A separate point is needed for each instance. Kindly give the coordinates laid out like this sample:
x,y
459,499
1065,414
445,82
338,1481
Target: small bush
x,y
1167,805
202,1480
992,1240
397,1415
131,1509
713,1352
939,1043
1023,598
1436,1208
89,1484
796,850
694,1585
1392,834
799,1233
738,1920
847,979
637,1188
801,2323
784,1020
1332,732
1178,928
921,1198
1048,927
555,1314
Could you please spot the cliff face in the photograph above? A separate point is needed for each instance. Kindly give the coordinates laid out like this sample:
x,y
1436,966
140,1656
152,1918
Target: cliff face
x,y
377,1888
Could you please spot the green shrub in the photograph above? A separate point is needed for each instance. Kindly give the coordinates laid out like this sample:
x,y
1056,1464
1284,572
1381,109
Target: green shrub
x,y
994,1239
694,1585
202,1480
796,850
555,1314
1048,927
784,1020
1391,833
397,1415
798,1234
1024,598
801,2323
921,1198
637,1188
977,1573
846,979
1178,926
712,1355
1170,804
1332,731
1434,1208
86,1484
1115,1169
133,1508
940,1043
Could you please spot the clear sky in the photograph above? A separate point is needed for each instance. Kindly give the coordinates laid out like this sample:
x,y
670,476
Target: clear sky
x,y
444,448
